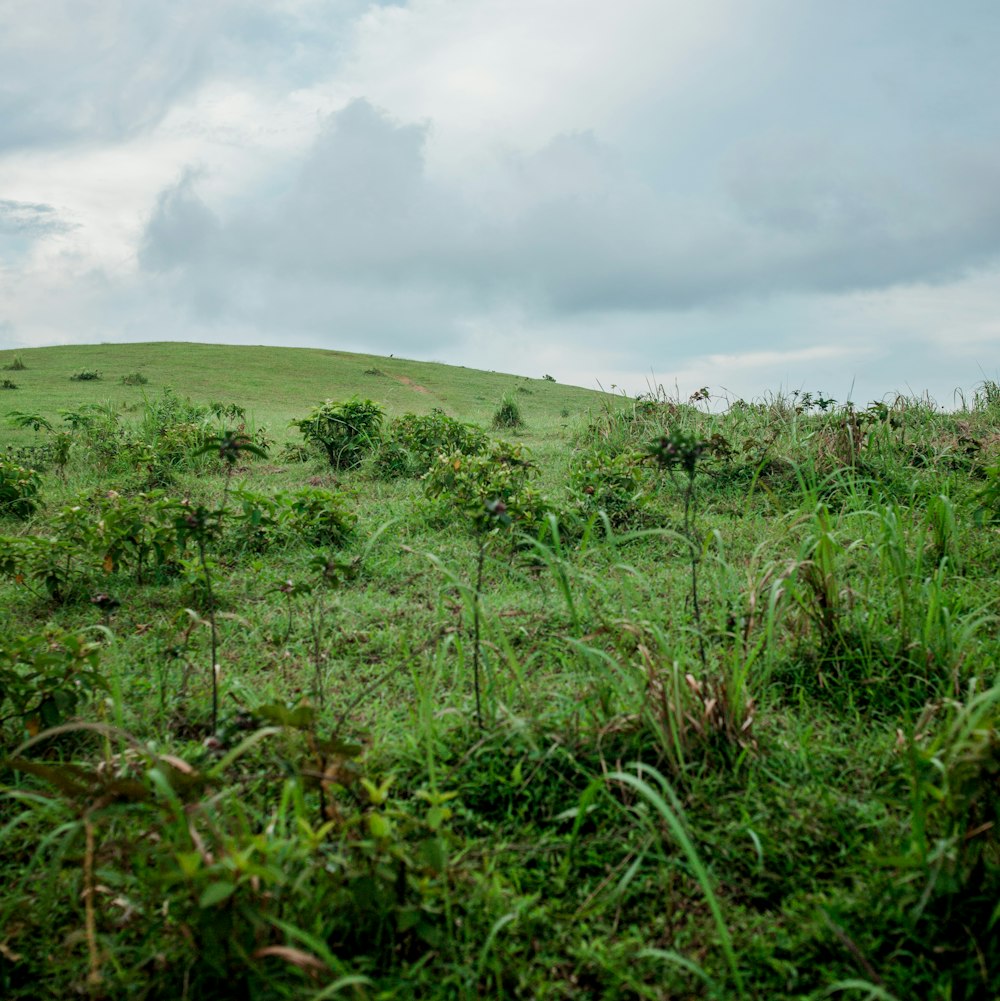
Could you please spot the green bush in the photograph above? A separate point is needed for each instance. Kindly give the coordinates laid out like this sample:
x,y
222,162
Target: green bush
x,y
126,533
615,483
508,415
44,677
57,565
472,483
19,487
7,384
412,442
85,375
134,379
345,432
17,365
316,516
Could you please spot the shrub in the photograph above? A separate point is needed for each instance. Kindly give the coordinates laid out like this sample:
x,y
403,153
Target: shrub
x,y
8,384
508,414
43,677
616,484
85,375
346,432
55,564
315,515
18,490
474,482
293,452
126,533
134,379
412,443
17,365
548,378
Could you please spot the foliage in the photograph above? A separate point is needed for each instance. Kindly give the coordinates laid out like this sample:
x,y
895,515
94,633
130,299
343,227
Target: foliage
x,y
44,677
19,489
85,375
57,565
616,484
507,416
470,483
258,896
316,516
988,509
120,532
565,770
17,365
134,379
344,432
412,443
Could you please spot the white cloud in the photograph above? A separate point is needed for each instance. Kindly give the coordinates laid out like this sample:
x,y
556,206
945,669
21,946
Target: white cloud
x,y
718,190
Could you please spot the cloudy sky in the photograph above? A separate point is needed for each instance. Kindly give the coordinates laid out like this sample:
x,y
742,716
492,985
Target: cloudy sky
x,y
753,195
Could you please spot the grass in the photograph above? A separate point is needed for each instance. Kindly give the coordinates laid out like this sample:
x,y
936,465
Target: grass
x,y
720,726
276,385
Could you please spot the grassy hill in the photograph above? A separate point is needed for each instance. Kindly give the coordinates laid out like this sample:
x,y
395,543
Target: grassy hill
x,y
276,384
645,702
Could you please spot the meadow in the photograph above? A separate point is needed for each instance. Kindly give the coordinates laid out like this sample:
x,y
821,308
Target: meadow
x,y
328,675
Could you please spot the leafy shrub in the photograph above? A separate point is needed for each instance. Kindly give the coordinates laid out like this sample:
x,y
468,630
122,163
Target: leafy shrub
x,y
101,432
412,442
293,452
7,384
19,487
616,484
134,379
135,533
85,375
315,515
548,378
310,515
345,432
473,483
508,415
17,365
57,565
44,676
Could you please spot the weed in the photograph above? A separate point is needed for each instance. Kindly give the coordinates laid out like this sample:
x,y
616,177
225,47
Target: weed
x,y
507,416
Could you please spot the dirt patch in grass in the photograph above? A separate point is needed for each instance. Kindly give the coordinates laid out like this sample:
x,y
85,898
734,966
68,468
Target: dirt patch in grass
x,y
416,387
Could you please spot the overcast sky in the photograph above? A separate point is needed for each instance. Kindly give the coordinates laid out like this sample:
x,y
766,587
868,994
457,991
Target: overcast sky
x,y
753,195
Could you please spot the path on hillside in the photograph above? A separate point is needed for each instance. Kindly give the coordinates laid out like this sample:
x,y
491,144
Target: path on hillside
x,y
415,386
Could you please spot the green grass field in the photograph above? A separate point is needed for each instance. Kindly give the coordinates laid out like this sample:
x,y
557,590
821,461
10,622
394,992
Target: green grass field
x,y
638,700
276,384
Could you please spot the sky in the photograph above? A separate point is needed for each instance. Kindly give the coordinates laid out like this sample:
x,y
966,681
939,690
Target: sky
x,y
758,196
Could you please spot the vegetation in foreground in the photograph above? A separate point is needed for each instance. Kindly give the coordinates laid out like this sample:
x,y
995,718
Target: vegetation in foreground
x,y
397,697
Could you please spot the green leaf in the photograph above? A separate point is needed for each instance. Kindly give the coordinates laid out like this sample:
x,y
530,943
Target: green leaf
x,y
215,893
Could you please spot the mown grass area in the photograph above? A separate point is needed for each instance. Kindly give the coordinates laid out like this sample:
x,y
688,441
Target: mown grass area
x,y
645,701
